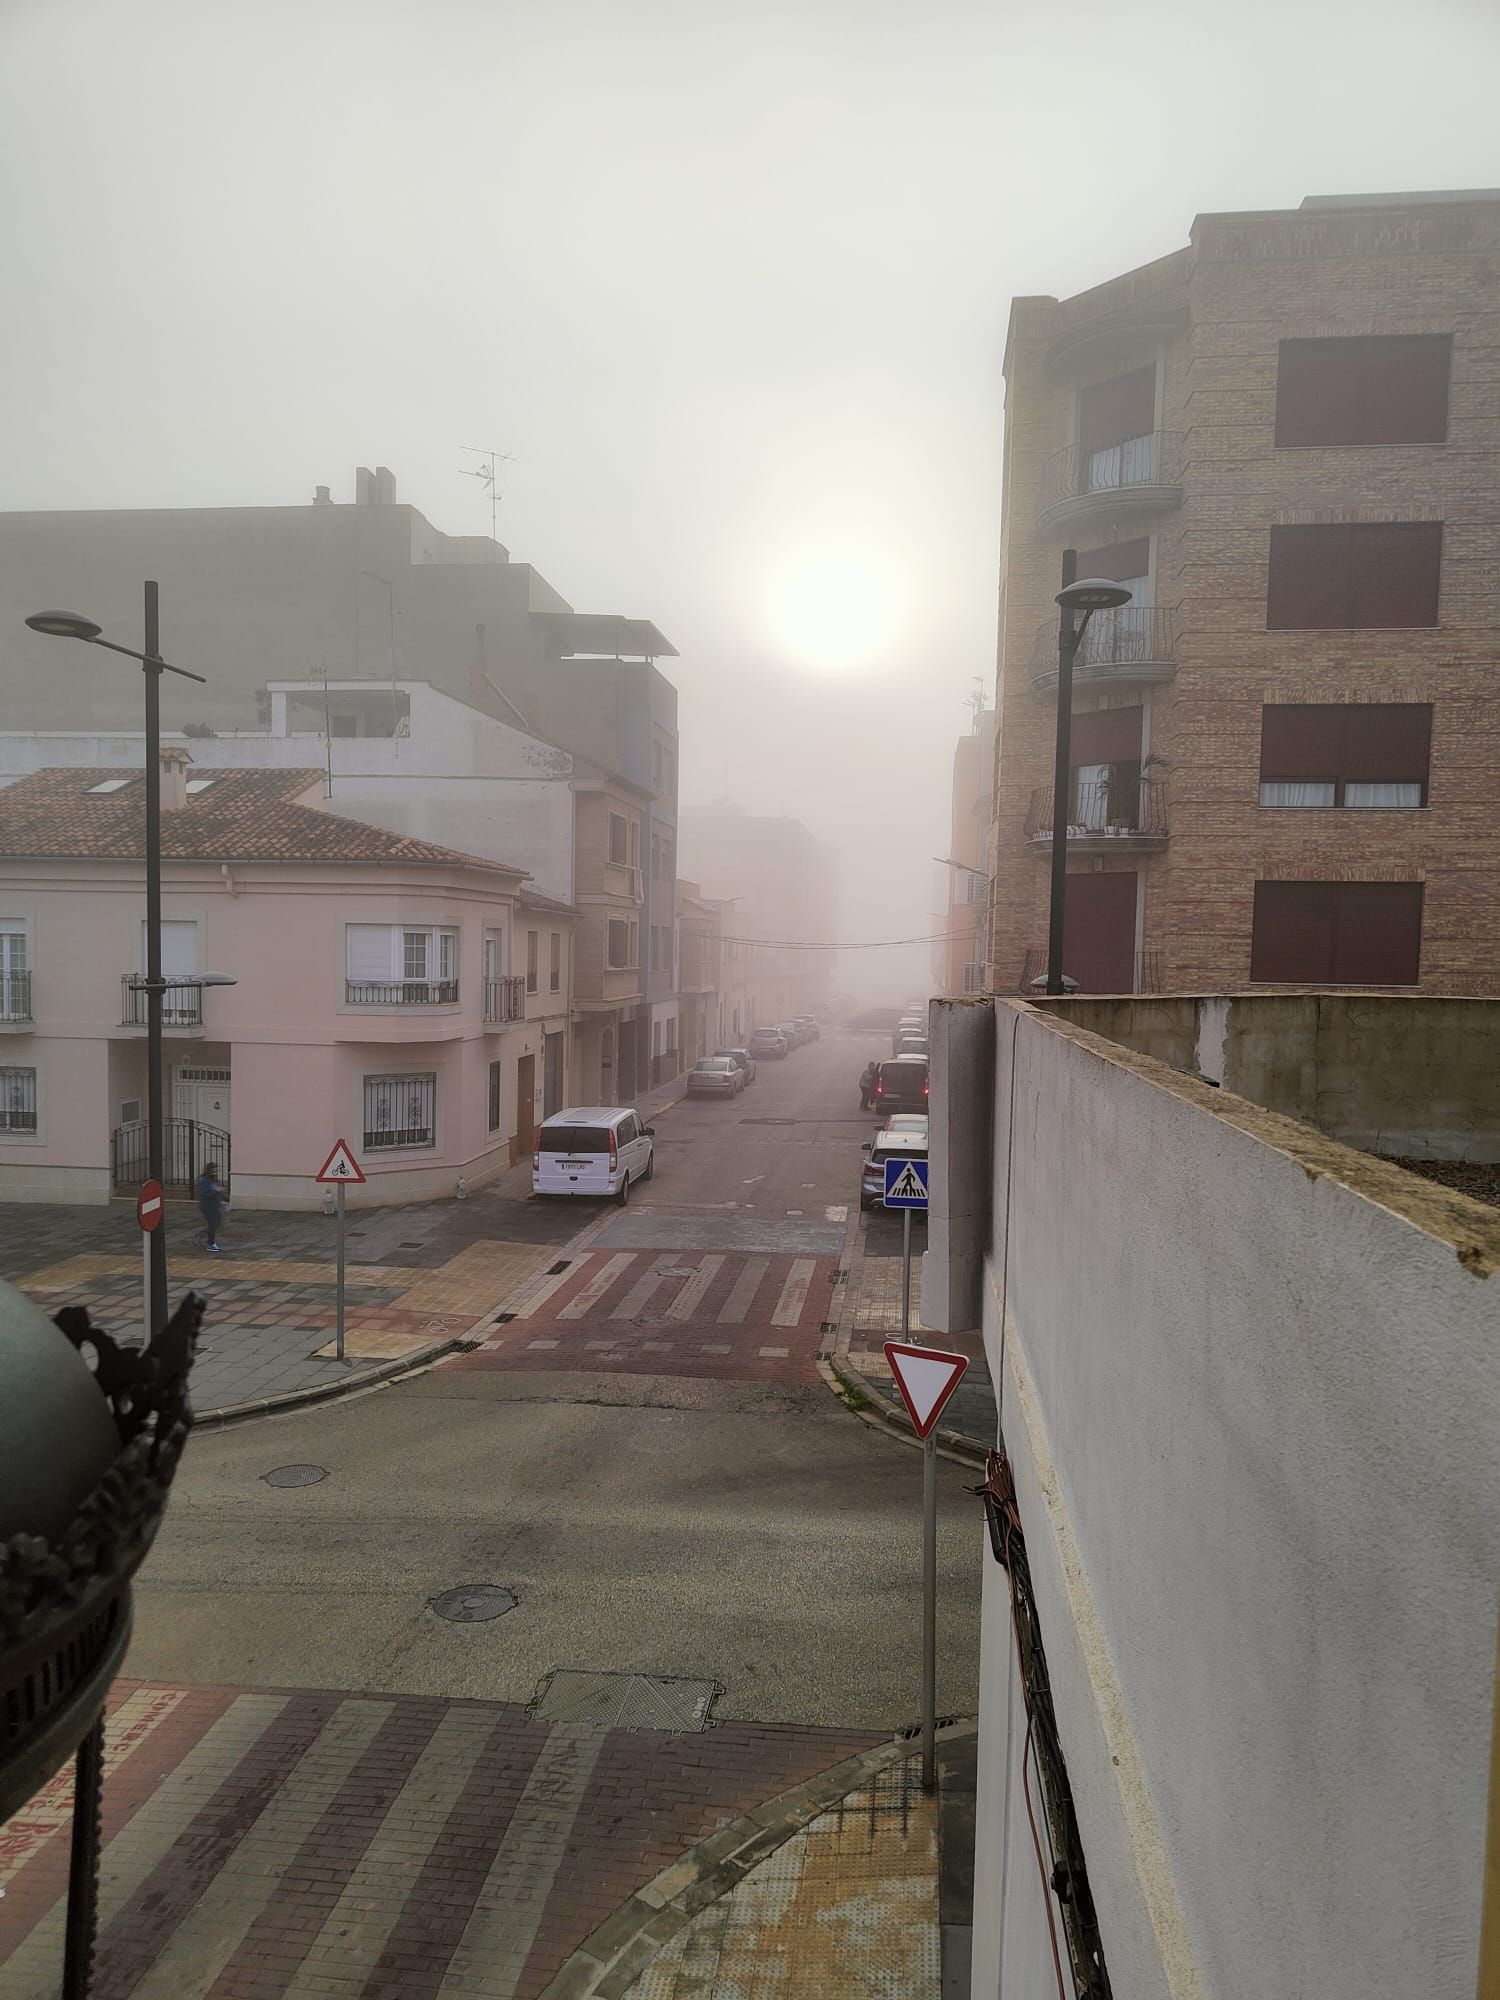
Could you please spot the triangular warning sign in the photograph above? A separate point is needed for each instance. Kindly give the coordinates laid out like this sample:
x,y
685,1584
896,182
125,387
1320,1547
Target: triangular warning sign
x,y
340,1165
926,1378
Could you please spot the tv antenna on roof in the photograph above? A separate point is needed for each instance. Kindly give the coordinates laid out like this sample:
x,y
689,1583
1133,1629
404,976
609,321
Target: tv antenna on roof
x,y
976,701
487,475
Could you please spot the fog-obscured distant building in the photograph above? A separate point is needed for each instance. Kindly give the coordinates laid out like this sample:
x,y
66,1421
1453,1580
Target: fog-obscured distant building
x,y
782,884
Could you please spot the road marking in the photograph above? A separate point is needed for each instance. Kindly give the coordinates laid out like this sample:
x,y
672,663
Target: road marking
x,y
837,1212
633,1301
714,1347
541,1343
497,1940
775,1353
356,1928
794,1293
219,1920
601,1346
746,1285
553,1284
584,1302
690,1297
656,1346
154,1831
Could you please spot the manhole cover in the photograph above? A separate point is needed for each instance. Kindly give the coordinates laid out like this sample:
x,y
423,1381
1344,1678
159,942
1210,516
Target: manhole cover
x,y
473,1603
625,1701
296,1475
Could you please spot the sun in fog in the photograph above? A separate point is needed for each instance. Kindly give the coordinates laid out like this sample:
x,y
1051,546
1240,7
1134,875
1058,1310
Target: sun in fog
x,y
834,610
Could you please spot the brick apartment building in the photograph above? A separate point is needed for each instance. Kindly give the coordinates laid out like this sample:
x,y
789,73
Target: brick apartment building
x,y
1286,748
959,960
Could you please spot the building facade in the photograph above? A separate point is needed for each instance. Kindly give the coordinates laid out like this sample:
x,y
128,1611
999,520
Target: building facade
x,y
963,950
1285,749
386,991
780,882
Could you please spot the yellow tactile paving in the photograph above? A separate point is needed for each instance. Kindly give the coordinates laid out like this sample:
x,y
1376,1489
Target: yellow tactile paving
x,y
849,1905
375,1344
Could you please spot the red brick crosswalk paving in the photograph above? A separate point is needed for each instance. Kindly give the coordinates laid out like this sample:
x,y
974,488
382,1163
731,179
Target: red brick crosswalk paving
x,y
293,1844
727,1315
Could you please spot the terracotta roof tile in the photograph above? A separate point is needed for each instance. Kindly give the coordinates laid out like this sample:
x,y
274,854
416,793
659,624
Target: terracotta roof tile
x,y
241,816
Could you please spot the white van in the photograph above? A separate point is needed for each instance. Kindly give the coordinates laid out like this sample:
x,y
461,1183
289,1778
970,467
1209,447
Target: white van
x,y
594,1149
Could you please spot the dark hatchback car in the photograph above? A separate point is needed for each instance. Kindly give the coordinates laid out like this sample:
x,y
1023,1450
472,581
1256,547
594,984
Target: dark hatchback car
x,y
901,1084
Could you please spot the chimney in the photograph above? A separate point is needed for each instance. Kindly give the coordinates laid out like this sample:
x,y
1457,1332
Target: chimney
x,y
364,486
321,497
385,486
174,770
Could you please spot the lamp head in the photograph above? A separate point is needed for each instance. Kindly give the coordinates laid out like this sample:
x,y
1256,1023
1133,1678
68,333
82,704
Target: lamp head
x,y
64,624
1093,593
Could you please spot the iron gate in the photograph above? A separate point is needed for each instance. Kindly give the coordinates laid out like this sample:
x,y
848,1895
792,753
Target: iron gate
x,y
188,1148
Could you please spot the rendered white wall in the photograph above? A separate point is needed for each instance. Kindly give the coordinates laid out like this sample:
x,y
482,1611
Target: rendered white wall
x,y
1252,1408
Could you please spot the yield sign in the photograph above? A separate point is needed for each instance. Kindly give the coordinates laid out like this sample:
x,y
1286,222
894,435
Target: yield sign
x,y
926,1378
340,1165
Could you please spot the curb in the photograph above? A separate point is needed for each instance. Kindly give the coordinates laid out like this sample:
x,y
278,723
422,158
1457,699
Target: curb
x,y
324,1392
610,1960
883,1416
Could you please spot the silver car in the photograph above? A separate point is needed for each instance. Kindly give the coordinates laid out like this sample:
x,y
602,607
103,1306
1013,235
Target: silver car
x,y
715,1076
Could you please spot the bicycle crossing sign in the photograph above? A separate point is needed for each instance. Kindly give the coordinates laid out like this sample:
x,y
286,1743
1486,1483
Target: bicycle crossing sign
x,y
905,1182
341,1165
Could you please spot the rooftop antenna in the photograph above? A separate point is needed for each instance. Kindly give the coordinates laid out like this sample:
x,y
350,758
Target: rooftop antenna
x,y
487,475
976,701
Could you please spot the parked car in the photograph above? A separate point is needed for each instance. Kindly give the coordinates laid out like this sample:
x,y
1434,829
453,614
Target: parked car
x,y
715,1076
767,1044
886,1145
906,1121
792,1033
809,1025
594,1149
743,1061
912,1045
901,1084
909,1024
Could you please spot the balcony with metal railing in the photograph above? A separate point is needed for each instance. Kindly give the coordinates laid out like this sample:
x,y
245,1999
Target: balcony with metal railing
x,y
1104,814
400,992
15,1000
1145,973
505,999
1131,647
181,1006
1142,475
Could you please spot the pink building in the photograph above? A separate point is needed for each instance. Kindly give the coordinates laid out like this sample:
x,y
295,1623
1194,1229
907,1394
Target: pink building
x,y
390,992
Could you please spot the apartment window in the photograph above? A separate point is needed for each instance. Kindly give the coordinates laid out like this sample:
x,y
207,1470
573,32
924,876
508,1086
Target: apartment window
x,y
495,1069
17,1099
15,972
400,1111
1367,756
1116,423
389,964
554,965
1337,933
1344,575
619,852
532,941
635,843
1378,389
619,944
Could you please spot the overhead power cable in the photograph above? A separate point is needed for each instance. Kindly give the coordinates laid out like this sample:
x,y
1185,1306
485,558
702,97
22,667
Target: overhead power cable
x,y
863,944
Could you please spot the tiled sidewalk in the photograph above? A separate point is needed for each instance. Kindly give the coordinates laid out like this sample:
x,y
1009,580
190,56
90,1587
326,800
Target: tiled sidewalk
x,y
417,1279
271,1843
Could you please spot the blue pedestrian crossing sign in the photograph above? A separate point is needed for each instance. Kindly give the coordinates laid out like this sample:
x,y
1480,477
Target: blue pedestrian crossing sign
x,y
905,1182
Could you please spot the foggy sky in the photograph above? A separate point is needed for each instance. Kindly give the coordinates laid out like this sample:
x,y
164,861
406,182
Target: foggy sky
x,y
729,278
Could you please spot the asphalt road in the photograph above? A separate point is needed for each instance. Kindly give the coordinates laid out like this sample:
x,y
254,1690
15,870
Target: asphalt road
x,y
752,1533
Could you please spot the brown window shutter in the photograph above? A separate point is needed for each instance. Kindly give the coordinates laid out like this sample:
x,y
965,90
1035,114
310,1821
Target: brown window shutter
x,y
1292,932
1123,407
1301,741
1378,934
1403,389
1396,568
1311,578
1106,736
1120,562
1387,742
1099,932
1317,389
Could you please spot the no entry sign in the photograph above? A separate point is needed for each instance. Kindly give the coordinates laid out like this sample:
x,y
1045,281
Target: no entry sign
x,y
149,1204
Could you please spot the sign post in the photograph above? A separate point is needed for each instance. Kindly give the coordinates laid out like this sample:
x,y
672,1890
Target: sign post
x,y
339,1169
150,1207
906,1189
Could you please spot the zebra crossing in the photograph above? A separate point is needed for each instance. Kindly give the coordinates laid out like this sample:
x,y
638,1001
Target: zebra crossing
x,y
733,1315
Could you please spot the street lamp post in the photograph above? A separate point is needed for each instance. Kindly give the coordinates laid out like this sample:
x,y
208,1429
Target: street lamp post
x,y
71,625
1088,595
